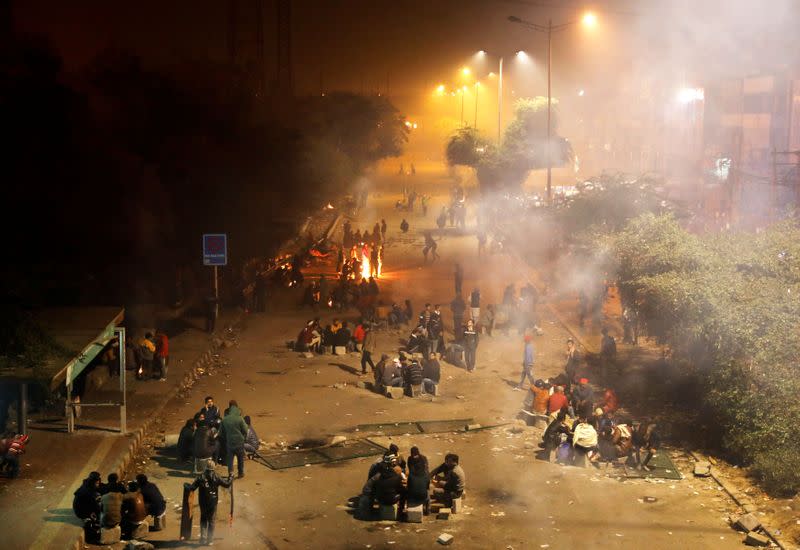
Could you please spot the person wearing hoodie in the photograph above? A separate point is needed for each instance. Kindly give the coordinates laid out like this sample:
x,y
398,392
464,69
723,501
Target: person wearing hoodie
x,y
203,444
235,431
87,506
251,442
186,440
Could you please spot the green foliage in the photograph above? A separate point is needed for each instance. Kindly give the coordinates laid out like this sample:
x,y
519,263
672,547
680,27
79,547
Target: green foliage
x,y
524,148
25,344
731,306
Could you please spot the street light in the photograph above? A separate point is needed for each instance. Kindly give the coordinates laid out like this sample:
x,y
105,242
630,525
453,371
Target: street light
x,y
483,53
477,86
589,20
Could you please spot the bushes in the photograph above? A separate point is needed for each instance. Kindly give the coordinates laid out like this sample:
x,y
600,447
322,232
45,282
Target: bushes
x,y
731,306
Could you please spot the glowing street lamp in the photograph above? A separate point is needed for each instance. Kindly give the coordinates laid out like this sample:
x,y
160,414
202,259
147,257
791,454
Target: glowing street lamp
x,y
588,20
465,71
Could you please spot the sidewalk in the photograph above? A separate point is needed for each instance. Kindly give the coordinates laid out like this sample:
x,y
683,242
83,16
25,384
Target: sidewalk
x,y
57,462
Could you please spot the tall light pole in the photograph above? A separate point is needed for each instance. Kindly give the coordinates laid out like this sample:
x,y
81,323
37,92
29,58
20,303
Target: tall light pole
x,y
589,20
499,102
477,85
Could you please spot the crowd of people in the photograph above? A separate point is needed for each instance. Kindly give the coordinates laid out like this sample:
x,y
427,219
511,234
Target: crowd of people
x,y
391,481
117,503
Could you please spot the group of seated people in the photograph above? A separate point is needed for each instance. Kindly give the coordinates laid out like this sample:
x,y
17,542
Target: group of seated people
x,y
316,339
584,431
391,480
407,372
201,438
115,503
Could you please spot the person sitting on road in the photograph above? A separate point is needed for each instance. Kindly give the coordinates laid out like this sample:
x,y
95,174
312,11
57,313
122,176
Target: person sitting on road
x,y
154,501
186,440
431,373
134,511
404,226
86,500
610,401
392,374
113,485
112,502
251,441
397,316
305,338
393,451
584,441
557,400
419,481
343,337
10,450
552,437
417,340
454,481
413,375
380,369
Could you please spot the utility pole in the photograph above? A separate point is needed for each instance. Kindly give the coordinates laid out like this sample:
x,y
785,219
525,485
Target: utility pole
x,y
499,102
549,111
477,86
284,77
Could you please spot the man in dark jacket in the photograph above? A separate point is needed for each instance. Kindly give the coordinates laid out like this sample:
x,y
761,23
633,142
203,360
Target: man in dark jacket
x,y
369,346
458,307
208,484
114,485
203,444
210,412
186,440
414,374
153,499
87,497
235,430
470,345
431,373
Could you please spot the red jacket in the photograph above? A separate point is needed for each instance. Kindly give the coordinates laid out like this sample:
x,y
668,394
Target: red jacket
x,y
162,345
556,401
359,333
610,401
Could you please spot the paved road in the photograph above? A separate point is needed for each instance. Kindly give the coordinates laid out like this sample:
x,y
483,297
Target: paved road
x,y
514,501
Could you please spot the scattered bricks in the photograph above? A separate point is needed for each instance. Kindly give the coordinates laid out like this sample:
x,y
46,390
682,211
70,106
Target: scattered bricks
x,y
307,355
416,390
702,469
747,522
141,531
456,507
339,350
650,500
750,508
139,545
361,385
394,393
171,440
470,427
436,390
110,536
756,539
414,514
435,507
160,522
387,512
445,539
444,513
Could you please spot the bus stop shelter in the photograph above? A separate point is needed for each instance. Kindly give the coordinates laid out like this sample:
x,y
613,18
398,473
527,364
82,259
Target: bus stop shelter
x,y
83,332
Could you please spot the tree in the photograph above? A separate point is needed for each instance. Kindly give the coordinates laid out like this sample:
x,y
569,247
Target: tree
x,y
524,148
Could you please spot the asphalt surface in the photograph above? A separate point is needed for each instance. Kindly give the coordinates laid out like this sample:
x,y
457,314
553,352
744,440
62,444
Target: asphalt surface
x,y
513,500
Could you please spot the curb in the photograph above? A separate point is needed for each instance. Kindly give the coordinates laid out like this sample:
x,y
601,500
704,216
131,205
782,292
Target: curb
x,y
737,497
138,436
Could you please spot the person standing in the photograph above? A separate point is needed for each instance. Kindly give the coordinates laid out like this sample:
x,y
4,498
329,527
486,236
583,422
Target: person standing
x,y
573,361
458,307
208,484
475,305
481,242
470,345
147,350
404,226
162,354
459,278
235,430
369,347
383,230
528,357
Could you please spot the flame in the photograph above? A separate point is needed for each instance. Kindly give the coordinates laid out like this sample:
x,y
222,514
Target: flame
x,y
380,263
365,267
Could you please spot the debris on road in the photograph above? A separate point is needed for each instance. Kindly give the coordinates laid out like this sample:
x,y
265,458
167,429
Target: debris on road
x,y
445,539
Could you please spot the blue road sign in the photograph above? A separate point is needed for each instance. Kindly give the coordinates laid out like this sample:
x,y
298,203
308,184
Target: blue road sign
x,y
215,249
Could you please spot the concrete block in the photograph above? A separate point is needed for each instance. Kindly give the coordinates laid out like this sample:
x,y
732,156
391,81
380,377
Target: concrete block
x,y
747,522
171,440
387,512
339,350
444,513
111,535
416,390
702,469
139,545
414,514
456,507
436,391
445,539
469,427
435,507
307,355
756,539
394,393
160,522
141,531
361,385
